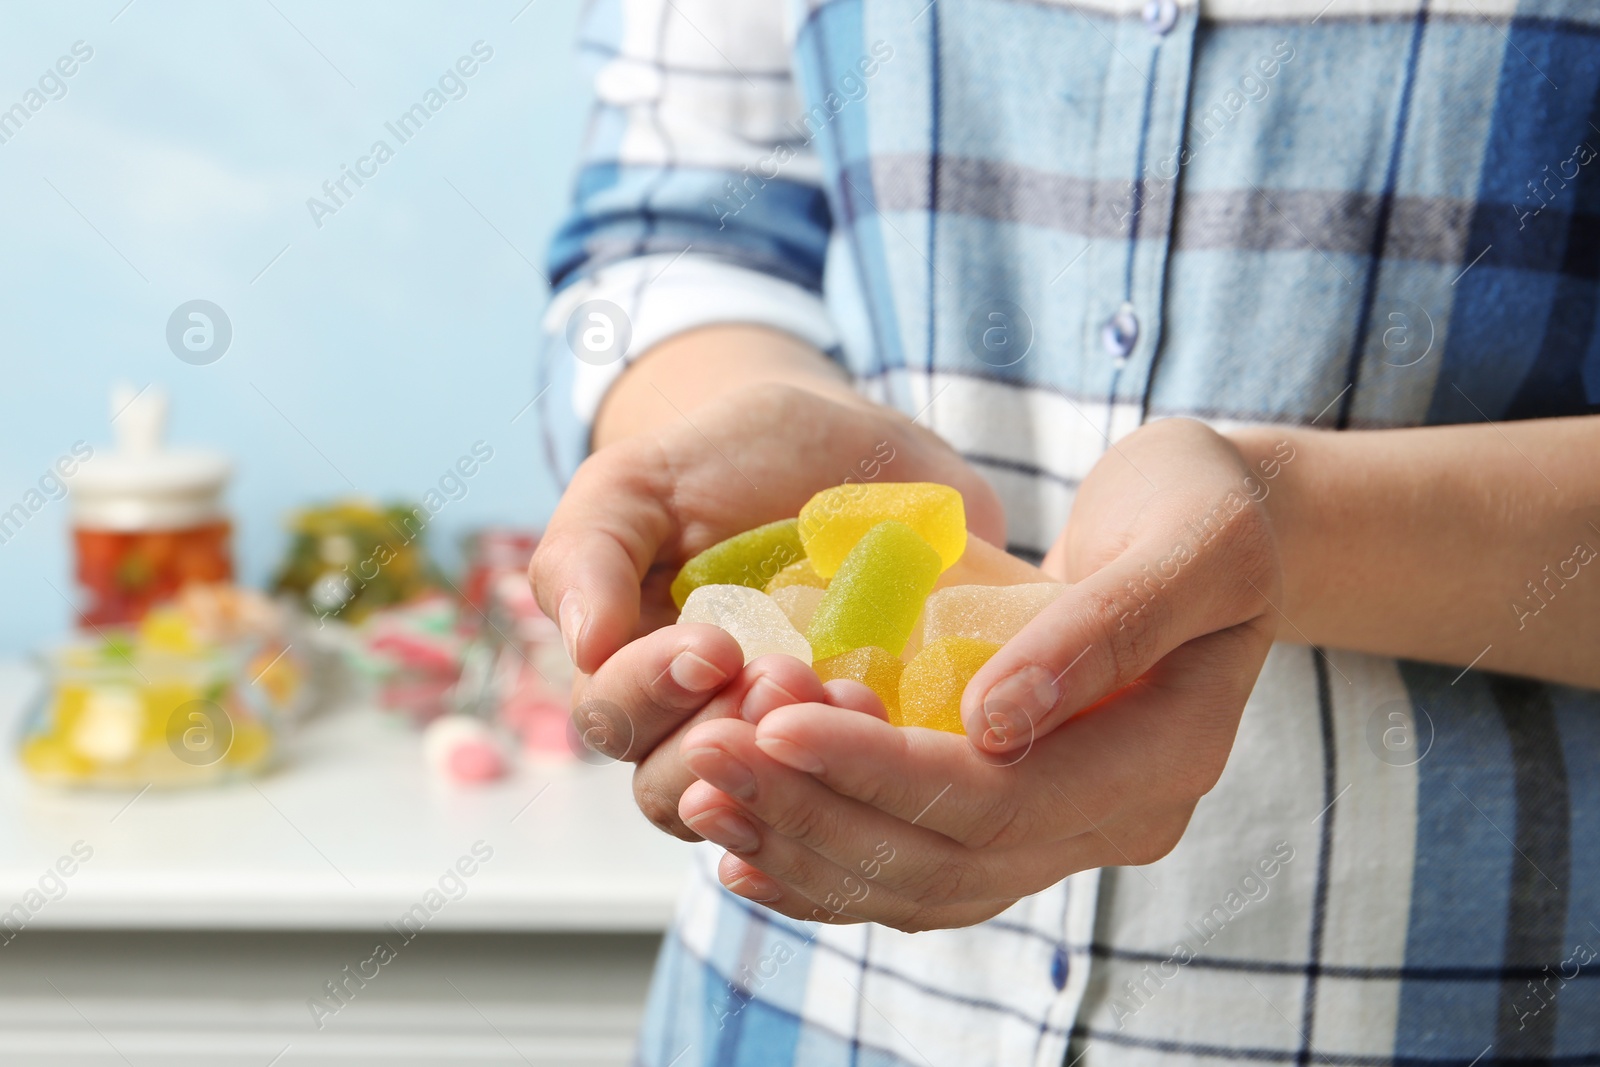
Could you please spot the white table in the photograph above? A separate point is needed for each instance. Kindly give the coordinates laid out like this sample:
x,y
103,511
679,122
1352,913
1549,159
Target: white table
x,y
345,839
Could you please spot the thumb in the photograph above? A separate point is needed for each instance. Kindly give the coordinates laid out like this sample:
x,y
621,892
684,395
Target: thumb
x,y
587,570
1106,631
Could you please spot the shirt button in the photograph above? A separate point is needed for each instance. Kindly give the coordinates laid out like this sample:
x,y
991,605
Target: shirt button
x,y
1160,16
1121,332
1059,967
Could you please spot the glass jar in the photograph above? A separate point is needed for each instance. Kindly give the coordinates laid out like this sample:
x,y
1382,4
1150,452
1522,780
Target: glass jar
x,y
147,520
119,714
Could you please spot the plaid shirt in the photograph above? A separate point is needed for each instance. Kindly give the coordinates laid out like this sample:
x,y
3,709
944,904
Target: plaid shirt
x,y
1038,224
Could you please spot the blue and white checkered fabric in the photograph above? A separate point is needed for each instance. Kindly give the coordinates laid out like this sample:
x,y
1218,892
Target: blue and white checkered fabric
x,y
1040,223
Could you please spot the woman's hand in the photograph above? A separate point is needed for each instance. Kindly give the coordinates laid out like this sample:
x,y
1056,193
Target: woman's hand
x,y
1170,546
638,508
840,817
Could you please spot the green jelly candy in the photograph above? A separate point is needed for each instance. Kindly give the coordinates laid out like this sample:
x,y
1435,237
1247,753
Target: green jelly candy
x,y
876,594
751,559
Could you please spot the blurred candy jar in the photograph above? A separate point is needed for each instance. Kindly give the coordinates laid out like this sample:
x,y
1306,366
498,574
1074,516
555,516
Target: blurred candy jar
x,y
146,519
191,696
175,677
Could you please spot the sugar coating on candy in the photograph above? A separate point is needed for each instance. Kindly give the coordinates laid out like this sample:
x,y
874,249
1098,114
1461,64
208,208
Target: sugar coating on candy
x,y
932,683
875,668
877,593
985,612
750,617
981,564
835,519
799,603
800,573
752,558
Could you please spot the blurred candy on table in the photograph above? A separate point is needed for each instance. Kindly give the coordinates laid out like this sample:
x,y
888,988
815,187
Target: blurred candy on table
x,y
159,707
413,655
875,668
147,520
463,749
527,691
932,683
217,614
750,616
492,554
348,558
877,594
835,519
752,559
985,612
799,603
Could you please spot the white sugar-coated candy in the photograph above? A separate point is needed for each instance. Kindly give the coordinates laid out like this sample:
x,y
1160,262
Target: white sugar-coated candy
x,y
799,603
985,612
750,617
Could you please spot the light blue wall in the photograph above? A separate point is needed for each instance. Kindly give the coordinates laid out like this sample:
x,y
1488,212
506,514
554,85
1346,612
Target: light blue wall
x,y
391,339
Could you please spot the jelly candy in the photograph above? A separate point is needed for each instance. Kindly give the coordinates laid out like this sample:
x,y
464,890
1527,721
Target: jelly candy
x,y
873,667
799,603
748,615
800,573
984,564
985,612
981,564
877,594
835,519
932,683
752,558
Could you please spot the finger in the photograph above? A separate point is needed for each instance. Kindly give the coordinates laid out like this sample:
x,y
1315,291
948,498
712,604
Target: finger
x,y
1167,737
815,832
853,696
1150,836
651,686
764,683
925,778
599,545
837,890
739,877
1107,630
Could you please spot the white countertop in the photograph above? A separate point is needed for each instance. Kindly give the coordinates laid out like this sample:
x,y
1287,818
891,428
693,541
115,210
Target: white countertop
x,y
350,834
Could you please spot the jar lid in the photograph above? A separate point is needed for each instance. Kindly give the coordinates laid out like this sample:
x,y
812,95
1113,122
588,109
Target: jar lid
x,y
142,484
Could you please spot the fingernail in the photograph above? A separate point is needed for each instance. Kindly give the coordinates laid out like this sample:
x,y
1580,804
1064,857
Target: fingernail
x,y
716,767
696,674
764,696
790,754
1015,704
571,616
754,887
722,827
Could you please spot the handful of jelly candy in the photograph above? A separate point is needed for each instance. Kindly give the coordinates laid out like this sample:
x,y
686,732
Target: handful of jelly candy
x,y
880,584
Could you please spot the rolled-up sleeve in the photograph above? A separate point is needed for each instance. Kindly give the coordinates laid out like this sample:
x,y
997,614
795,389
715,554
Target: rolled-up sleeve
x,y
698,199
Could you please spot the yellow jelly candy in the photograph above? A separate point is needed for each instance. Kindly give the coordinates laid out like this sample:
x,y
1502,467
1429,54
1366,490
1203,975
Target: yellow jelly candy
x,y
752,559
874,668
800,573
932,683
835,519
877,594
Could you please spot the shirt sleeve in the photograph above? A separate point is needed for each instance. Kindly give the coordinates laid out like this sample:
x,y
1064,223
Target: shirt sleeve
x,y
698,200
